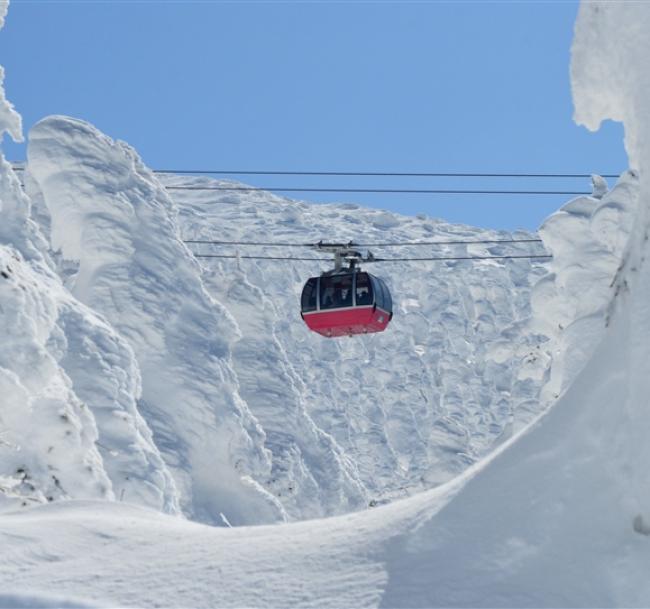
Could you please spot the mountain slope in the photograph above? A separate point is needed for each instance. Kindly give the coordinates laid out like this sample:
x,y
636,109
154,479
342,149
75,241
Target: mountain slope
x,y
557,516
551,519
232,381
457,370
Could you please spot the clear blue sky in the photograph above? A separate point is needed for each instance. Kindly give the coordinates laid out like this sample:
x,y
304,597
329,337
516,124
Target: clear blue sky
x,y
369,86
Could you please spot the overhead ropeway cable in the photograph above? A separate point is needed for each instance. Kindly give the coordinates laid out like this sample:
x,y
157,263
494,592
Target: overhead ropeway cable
x,y
374,259
17,166
373,190
352,244
422,191
391,174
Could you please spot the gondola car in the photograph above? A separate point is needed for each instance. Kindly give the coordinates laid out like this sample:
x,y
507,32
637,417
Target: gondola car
x,y
346,303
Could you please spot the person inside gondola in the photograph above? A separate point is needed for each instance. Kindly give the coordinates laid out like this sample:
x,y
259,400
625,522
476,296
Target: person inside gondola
x,y
363,296
345,293
328,298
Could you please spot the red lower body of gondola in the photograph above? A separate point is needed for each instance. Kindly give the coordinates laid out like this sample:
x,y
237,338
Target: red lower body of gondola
x,y
347,322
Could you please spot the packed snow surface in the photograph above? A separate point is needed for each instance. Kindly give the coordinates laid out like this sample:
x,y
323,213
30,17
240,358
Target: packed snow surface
x,y
202,370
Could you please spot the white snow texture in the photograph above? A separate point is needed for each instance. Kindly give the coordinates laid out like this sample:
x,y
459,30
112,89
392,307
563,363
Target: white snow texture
x,y
142,386
10,120
258,419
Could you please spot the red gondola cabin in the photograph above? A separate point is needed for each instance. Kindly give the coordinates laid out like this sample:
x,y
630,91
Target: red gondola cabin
x,y
346,303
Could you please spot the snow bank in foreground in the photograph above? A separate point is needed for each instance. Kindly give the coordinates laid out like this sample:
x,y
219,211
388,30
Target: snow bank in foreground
x,y
117,555
115,228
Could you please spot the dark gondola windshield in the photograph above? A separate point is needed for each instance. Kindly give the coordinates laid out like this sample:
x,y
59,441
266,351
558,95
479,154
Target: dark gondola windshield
x,y
345,290
309,294
335,291
388,301
363,291
382,295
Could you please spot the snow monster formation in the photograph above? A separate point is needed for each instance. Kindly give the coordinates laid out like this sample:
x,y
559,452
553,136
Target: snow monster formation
x,y
69,426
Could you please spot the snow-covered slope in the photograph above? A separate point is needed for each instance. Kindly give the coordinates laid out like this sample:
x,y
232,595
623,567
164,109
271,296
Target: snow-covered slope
x,y
548,521
315,427
557,516
458,368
